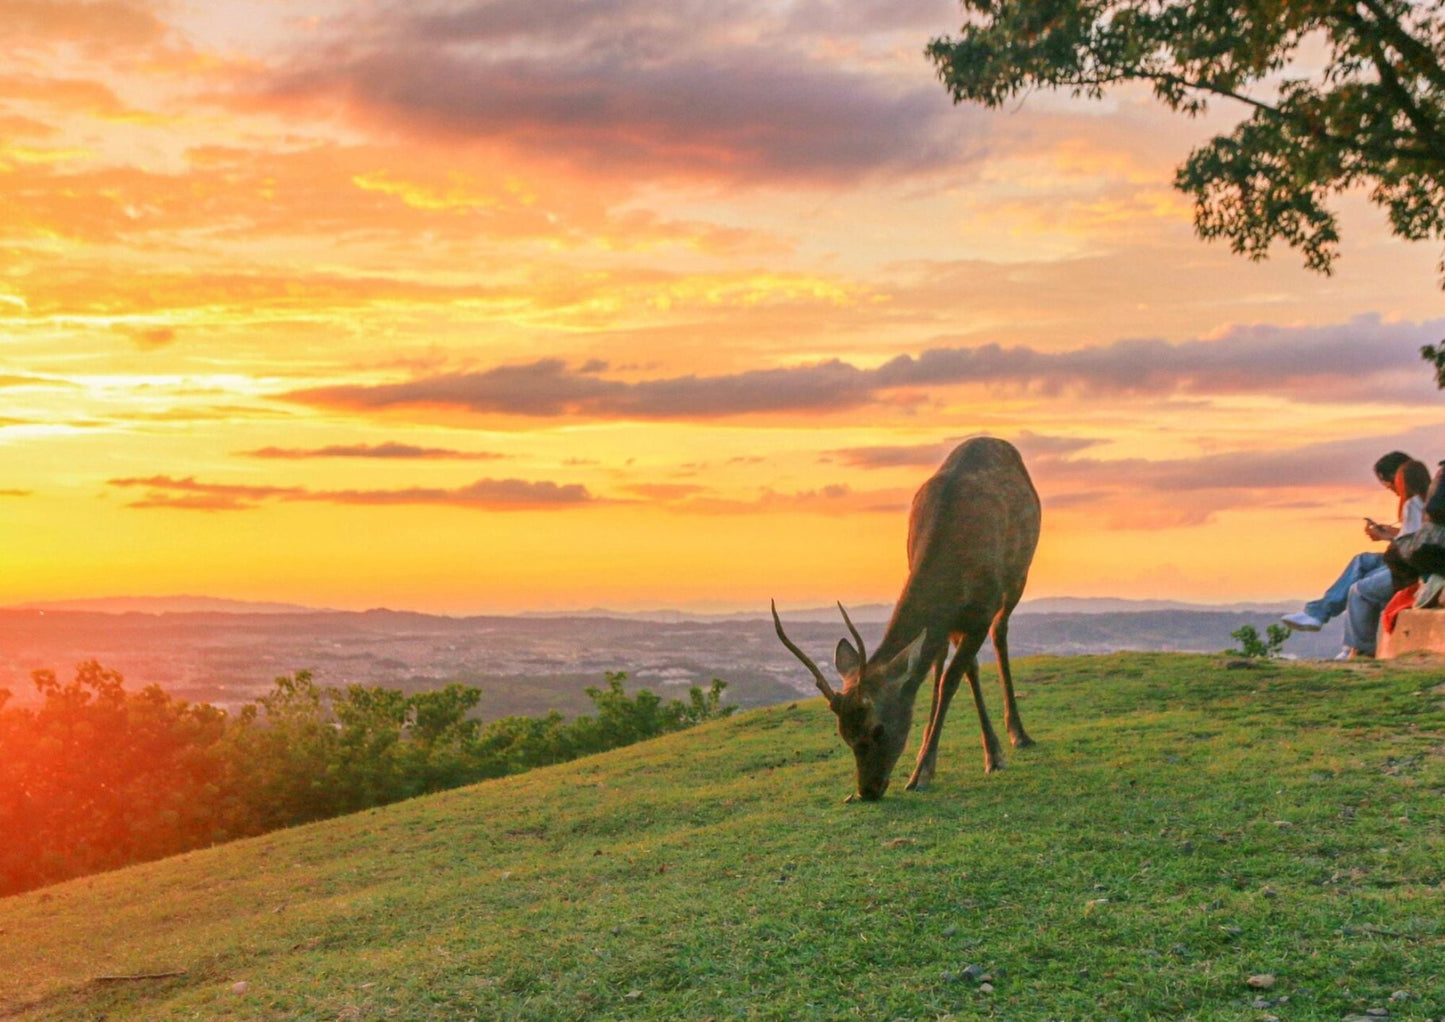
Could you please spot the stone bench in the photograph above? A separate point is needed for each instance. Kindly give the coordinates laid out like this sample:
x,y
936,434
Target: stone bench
x,y
1416,631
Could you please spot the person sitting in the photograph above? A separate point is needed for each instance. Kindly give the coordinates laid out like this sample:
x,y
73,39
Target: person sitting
x,y
1411,508
1368,596
1419,556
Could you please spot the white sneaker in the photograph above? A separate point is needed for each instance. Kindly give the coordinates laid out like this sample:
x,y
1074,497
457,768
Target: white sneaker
x,y
1303,622
1347,653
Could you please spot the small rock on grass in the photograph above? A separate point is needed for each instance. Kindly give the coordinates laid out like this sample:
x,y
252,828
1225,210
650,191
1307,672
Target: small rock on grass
x,y
1261,981
240,987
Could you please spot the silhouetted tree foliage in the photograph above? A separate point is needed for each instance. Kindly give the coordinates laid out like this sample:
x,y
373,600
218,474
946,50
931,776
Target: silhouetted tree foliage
x,y
98,777
1362,105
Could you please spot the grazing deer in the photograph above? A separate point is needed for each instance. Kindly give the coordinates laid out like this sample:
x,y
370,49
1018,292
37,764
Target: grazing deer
x,y
971,537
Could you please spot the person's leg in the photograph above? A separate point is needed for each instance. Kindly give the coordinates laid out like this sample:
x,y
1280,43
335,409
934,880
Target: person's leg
x,y
1336,597
1366,599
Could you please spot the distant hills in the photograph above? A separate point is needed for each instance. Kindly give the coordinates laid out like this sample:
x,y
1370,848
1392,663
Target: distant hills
x,y
167,605
877,612
1109,605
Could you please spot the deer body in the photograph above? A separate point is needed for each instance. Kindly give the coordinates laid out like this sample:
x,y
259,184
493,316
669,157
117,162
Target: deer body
x,y
971,538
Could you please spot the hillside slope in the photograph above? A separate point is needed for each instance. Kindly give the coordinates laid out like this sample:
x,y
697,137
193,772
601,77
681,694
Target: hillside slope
x,y
1180,827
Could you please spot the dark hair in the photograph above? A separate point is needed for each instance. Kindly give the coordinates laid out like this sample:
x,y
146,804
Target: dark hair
x,y
1435,499
1412,479
1388,465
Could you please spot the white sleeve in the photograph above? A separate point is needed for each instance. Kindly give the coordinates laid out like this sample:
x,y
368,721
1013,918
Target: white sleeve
x,y
1413,515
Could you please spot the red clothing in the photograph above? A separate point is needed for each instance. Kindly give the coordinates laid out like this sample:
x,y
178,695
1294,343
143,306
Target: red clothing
x,y
1401,600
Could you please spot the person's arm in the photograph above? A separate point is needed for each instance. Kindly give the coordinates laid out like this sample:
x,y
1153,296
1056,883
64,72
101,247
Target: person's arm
x,y
1379,532
1412,517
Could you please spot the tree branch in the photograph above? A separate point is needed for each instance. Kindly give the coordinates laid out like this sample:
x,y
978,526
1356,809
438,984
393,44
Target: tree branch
x,y
1390,81
1421,57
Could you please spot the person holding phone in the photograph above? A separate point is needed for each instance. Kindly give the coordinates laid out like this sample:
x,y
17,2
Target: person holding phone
x,y
1408,479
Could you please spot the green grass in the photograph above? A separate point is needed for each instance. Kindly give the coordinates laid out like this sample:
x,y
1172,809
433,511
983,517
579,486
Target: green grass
x,y
1180,827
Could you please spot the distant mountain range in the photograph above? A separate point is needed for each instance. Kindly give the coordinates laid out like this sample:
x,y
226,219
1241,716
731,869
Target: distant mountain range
x,y
167,605
875,612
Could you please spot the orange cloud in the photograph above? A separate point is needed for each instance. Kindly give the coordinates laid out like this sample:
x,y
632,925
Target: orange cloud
x,y
386,451
484,494
1324,364
832,500
224,196
17,126
66,95
646,92
94,24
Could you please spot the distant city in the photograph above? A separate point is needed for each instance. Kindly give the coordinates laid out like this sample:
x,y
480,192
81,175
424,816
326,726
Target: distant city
x,y
229,652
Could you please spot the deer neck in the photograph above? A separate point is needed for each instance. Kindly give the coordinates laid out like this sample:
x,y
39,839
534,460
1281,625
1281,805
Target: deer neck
x,y
899,693
912,615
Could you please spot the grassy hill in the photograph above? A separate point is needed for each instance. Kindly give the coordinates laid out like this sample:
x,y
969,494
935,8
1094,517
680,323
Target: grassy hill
x,y
1182,826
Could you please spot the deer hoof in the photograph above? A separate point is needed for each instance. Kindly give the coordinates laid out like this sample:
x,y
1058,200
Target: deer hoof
x,y
922,775
1021,740
993,765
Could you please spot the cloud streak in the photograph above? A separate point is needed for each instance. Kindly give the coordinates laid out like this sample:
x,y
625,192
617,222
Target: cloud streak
x,y
1364,360
725,91
832,500
101,25
1031,445
383,451
1340,463
190,494
1164,493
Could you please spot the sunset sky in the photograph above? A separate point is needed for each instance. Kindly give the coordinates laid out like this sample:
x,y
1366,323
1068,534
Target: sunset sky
x,y
546,304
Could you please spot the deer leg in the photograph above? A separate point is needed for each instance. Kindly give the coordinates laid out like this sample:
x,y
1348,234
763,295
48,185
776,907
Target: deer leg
x,y
943,690
992,751
1017,736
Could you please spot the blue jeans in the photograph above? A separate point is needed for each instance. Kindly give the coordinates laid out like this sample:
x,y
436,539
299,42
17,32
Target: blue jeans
x,y
1336,597
1367,599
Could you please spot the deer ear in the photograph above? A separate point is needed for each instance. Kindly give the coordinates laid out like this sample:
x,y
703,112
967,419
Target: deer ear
x,y
905,664
915,651
846,659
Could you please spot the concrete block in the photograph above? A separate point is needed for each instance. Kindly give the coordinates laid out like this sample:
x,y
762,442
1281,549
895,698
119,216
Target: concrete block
x,y
1416,631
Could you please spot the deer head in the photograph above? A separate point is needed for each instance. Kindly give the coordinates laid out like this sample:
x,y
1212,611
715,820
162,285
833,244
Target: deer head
x,y
873,717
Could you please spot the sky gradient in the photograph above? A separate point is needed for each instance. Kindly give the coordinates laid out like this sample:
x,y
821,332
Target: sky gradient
x,y
546,304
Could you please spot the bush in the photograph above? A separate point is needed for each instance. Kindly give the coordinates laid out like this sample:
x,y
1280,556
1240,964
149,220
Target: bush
x,y
1252,646
99,777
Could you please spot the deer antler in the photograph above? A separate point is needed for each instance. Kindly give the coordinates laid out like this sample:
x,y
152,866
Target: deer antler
x,y
823,685
862,653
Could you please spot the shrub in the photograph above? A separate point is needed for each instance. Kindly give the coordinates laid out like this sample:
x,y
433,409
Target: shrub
x,y
99,777
1252,646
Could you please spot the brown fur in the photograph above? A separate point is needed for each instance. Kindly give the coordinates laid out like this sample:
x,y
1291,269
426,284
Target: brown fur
x,y
971,537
